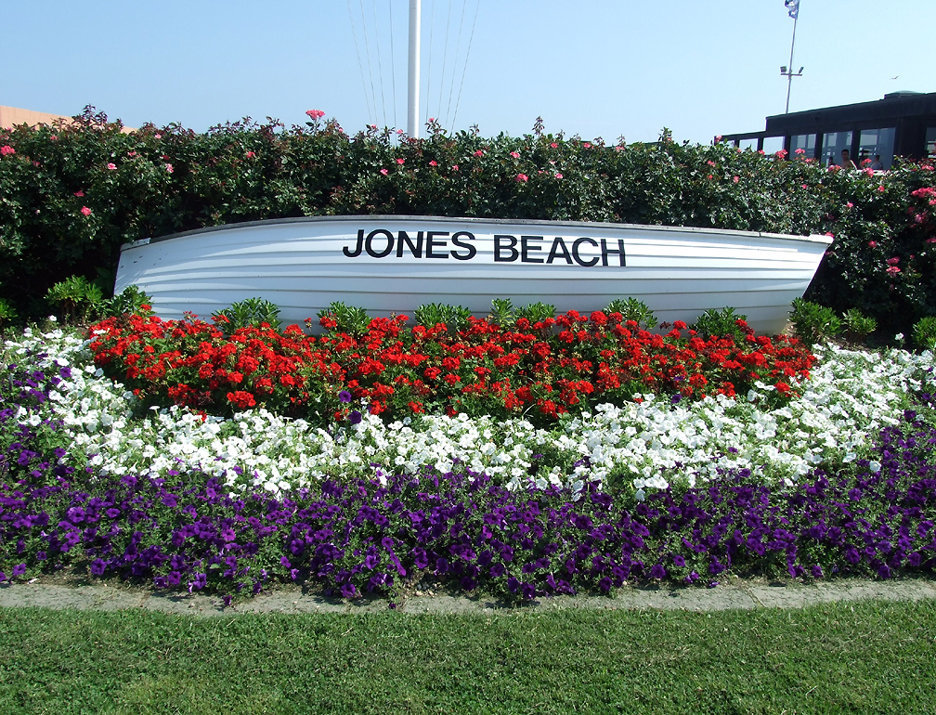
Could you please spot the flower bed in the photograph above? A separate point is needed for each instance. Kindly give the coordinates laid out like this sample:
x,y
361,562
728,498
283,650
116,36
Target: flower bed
x,y
837,480
539,370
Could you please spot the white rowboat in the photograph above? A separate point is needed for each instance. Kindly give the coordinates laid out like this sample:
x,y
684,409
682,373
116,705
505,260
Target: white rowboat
x,y
393,264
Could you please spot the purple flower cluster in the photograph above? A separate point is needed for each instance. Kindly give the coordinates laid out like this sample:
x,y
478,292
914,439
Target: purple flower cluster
x,y
461,528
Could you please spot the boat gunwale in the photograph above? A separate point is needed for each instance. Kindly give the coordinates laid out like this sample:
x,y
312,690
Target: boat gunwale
x,y
812,238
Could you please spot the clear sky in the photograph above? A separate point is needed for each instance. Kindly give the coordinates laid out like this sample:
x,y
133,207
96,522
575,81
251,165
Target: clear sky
x,y
593,68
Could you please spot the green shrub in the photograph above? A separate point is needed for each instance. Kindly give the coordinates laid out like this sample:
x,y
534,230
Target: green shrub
x,y
7,312
813,322
455,317
924,333
76,297
341,318
720,322
129,301
858,326
251,312
536,312
633,309
503,312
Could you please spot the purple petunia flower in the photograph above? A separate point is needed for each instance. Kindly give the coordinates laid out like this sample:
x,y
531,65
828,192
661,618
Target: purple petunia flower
x,y
344,396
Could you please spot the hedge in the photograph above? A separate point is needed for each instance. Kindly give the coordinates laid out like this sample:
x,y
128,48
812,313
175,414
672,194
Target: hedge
x,y
70,195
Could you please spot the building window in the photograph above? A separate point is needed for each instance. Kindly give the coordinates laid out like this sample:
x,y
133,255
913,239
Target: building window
x,y
875,142
930,148
748,144
806,142
772,145
832,145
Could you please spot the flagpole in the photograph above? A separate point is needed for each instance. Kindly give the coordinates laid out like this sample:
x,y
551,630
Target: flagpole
x,y
412,120
790,66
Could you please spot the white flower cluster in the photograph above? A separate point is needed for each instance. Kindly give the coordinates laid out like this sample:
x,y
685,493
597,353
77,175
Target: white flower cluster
x,y
647,445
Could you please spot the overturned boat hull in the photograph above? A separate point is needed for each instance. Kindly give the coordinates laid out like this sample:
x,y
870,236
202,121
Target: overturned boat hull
x,y
393,264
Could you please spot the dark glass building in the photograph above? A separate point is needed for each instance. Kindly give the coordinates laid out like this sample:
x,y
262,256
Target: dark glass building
x,y
902,124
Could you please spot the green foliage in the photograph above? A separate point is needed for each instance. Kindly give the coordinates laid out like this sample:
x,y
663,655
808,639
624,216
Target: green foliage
x,y
76,297
536,312
857,325
251,312
924,333
71,195
720,322
633,309
503,312
813,322
129,301
7,312
454,317
342,318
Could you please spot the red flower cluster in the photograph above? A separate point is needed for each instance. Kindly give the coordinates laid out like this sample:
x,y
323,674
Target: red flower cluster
x,y
540,370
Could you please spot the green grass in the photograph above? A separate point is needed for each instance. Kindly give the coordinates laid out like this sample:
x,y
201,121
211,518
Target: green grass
x,y
868,656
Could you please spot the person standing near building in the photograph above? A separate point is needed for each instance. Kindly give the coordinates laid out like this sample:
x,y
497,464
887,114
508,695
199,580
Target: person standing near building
x,y
847,162
876,164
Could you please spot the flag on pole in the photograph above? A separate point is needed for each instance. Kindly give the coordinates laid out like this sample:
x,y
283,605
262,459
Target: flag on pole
x,y
792,7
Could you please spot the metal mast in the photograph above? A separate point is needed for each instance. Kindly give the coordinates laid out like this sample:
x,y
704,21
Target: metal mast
x,y
787,70
412,117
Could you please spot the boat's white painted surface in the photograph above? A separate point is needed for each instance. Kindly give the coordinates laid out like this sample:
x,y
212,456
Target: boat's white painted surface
x,y
305,264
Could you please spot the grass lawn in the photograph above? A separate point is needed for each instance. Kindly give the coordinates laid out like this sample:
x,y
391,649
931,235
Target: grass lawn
x,y
869,656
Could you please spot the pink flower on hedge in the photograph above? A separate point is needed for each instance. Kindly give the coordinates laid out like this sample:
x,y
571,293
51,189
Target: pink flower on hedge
x,y
872,244
515,154
881,188
169,168
7,150
558,175
893,261
251,155
850,205
454,167
111,166
586,145
800,151
315,113
554,145
384,172
931,240
736,179
85,210
781,154
893,270
79,193
401,161
479,153
433,163
522,177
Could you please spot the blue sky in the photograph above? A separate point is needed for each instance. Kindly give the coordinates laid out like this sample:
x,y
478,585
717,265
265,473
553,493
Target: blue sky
x,y
593,68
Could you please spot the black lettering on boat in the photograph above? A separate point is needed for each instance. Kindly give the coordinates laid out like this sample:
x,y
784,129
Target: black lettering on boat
x,y
458,239
576,255
404,238
619,250
505,244
357,247
528,245
432,242
559,247
369,242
